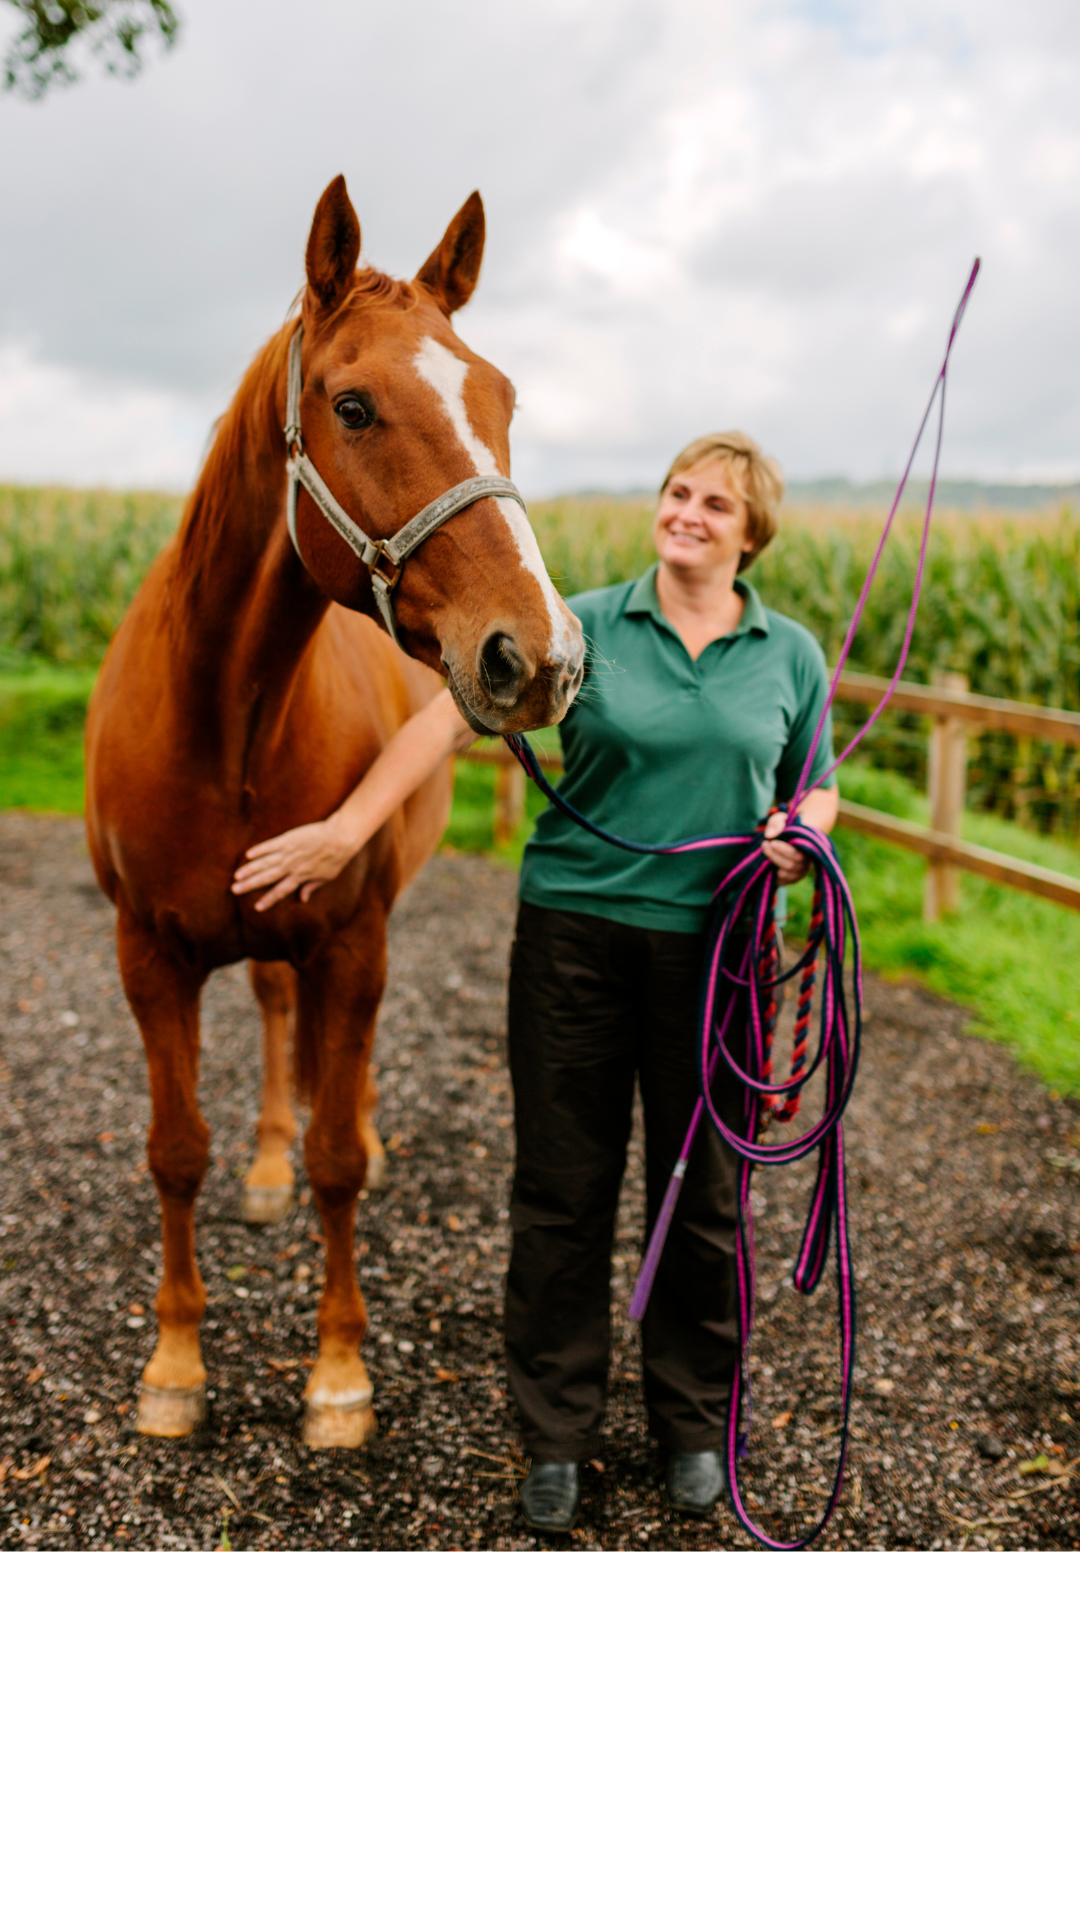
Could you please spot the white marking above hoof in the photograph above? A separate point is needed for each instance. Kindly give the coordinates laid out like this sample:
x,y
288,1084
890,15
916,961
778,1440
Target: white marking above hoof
x,y
339,1426
375,1177
264,1206
170,1413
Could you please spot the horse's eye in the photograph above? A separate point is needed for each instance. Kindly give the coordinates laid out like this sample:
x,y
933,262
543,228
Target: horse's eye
x,y
354,411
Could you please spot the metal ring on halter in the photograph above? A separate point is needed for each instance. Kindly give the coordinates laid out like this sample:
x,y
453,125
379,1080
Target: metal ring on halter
x,y
375,554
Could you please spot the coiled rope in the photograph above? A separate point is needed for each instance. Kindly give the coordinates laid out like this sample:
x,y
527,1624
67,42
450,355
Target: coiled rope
x,y
737,1017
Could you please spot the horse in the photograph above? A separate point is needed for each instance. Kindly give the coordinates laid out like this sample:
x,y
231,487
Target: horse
x,y
259,671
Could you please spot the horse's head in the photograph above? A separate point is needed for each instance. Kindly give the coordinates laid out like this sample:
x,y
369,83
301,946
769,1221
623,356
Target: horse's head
x,y
395,411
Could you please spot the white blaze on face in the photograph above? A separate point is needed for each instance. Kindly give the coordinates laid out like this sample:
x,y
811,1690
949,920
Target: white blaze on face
x,y
446,374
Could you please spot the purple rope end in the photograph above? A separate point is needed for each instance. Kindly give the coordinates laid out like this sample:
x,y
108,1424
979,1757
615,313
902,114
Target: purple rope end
x,y
647,1271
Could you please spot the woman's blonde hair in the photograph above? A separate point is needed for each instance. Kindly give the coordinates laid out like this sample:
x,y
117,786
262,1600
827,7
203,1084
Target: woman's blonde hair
x,y
757,480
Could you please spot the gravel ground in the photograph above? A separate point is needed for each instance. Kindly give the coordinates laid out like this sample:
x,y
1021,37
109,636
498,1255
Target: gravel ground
x,y
966,1222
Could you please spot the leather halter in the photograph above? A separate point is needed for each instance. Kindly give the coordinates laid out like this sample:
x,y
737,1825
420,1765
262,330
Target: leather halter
x,y
384,558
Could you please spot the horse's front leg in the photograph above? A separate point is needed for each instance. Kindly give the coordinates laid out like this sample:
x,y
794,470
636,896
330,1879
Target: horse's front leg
x,y
268,1186
164,996
338,1001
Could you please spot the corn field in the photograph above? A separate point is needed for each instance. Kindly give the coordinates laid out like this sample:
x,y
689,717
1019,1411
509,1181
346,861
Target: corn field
x,y
1001,603
69,564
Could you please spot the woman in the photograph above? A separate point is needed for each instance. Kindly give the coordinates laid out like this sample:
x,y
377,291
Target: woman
x,y
697,711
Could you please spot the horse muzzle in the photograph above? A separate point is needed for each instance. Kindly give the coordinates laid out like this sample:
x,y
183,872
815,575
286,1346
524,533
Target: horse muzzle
x,y
504,693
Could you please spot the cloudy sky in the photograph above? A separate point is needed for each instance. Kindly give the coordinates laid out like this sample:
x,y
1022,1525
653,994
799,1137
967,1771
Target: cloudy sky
x,y
699,215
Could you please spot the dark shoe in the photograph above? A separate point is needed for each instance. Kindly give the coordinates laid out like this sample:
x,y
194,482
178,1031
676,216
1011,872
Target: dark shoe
x,y
550,1494
695,1481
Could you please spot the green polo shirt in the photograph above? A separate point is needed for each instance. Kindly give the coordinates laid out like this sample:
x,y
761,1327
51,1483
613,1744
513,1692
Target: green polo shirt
x,y
660,747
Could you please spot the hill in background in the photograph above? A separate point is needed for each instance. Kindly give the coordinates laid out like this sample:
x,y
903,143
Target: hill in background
x,y
964,496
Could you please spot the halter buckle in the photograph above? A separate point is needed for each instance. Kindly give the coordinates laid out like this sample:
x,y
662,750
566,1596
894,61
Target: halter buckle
x,y
388,571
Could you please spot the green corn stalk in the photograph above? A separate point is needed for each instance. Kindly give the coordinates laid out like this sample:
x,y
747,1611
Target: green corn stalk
x,y
69,565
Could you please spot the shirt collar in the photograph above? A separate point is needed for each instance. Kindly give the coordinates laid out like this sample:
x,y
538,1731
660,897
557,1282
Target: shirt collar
x,y
755,620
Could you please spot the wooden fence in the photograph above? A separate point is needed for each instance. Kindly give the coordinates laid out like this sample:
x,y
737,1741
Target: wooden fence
x,y
954,713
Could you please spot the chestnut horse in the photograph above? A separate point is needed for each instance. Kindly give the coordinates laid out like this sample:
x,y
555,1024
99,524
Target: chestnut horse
x,y
248,689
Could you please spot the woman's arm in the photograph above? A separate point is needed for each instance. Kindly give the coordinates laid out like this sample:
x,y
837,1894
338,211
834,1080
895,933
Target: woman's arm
x,y
306,857
819,809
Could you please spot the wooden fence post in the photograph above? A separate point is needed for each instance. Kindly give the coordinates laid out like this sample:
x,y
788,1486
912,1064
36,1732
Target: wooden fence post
x,y
509,798
948,777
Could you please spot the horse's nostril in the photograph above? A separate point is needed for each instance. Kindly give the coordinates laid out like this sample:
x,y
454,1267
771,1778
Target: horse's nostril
x,y
502,669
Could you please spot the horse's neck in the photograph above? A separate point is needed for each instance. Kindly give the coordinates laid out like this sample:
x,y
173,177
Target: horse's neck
x,y
244,606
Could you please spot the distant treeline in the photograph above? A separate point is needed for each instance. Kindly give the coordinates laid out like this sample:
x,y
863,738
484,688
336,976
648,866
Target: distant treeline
x,y
1001,603
965,496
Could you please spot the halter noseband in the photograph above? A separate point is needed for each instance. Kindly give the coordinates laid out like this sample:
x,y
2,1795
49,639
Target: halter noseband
x,y
384,558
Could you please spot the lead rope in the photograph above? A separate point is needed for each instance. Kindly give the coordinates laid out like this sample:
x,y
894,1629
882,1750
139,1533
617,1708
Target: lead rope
x,y
777,1106
741,972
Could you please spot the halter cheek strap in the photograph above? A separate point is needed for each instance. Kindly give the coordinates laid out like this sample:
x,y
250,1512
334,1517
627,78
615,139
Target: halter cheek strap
x,y
383,558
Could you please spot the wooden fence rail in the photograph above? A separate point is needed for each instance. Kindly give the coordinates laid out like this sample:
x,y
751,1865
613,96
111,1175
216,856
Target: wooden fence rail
x,y
954,713
948,700
951,853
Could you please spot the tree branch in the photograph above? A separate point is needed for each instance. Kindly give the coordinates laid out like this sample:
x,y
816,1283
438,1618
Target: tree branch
x,y
113,33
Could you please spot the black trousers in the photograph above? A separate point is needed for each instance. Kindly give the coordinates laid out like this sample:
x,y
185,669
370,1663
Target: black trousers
x,y
594,1003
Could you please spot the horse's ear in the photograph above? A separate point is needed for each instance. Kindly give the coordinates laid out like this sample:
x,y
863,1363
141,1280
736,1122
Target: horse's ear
x,y
452,271
333,247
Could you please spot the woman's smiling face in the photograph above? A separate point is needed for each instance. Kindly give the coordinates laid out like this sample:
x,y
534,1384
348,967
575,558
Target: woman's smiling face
x,y
701,520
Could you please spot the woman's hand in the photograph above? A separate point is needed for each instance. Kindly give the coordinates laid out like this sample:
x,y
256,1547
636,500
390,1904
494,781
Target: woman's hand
x,y
819,809
789,862
305,858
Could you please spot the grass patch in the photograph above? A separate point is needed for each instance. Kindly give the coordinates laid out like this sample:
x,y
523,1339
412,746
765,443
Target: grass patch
x,y
470,828
42,716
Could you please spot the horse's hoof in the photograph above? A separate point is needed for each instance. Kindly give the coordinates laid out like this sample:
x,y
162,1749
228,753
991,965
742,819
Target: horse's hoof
x,y
264,1206
170,1412
351,1425
375,1177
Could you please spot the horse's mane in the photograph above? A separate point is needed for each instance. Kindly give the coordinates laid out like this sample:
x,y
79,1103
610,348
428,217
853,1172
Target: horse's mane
x,y
250,426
